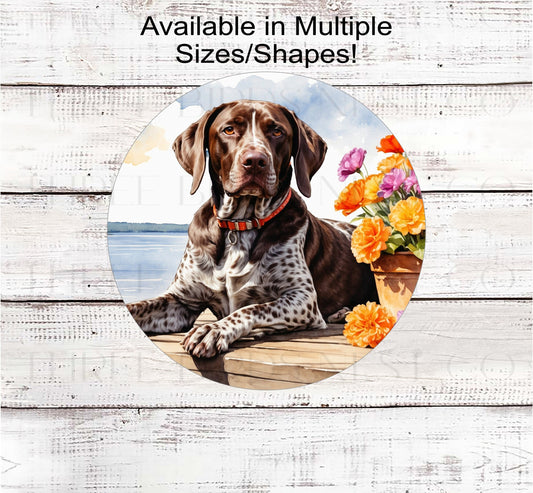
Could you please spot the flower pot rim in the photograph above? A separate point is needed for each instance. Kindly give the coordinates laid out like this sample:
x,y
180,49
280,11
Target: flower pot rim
x,y
398,262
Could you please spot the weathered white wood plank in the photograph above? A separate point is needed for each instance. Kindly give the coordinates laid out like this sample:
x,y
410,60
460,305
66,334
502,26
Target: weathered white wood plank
x,y
206,450
75,138
54,246
439,353
76,42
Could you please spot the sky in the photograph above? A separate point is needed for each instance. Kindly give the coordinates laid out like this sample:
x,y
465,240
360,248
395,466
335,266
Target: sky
x,y
152,187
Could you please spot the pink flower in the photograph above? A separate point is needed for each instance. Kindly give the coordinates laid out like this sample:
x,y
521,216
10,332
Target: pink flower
x,y
351,162
411,183
392,182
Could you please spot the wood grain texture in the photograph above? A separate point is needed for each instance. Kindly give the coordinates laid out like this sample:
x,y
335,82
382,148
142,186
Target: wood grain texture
x,y
416,450
73,139
55,247
440,353
277,361
128,418
76,42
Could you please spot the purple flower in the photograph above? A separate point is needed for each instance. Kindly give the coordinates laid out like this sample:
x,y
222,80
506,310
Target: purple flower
x,y
411,183
350,163
392,182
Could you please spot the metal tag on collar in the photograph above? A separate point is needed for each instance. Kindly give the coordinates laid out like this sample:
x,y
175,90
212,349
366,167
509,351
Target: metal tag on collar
x,y
232,237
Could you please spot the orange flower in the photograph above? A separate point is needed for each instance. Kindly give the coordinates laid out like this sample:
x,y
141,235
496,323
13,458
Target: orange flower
x,y
390,144
351,197
395,161
372,183
368,239
368,324
407,216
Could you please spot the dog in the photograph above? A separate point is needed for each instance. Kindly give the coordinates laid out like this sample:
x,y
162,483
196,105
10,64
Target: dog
x,y
256,257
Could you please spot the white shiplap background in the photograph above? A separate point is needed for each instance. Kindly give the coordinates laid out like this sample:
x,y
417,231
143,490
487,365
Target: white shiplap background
x,y
90,404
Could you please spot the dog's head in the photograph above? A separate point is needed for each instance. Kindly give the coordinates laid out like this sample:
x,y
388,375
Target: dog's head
x,y
250,145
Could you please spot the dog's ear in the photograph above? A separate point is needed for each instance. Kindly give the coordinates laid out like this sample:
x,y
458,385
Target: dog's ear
x,y
190,146
309,151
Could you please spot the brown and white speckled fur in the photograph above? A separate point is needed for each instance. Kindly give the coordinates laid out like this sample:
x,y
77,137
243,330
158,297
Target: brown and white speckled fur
x,y
292,274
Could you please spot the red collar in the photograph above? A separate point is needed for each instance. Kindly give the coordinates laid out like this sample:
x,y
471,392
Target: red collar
x,y
254,223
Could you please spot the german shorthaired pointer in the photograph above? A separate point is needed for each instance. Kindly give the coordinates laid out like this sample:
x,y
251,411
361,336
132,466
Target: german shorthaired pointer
x,y
255,257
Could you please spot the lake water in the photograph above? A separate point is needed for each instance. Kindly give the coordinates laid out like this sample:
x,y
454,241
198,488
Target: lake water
x,y
144,264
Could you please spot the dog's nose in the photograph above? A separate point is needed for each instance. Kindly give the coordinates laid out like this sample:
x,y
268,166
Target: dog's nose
x,y
254,159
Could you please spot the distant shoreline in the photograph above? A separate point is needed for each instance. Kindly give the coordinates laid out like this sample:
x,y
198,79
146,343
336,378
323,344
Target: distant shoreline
x,y
123,227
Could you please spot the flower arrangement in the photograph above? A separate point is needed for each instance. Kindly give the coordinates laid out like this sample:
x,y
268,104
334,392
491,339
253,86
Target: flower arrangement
x,y
391,220
392,215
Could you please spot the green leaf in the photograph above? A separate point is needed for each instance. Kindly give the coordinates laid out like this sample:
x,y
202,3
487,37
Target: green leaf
x,y
383,207
370,209
358,217
390,249
383,216
418,249
395,241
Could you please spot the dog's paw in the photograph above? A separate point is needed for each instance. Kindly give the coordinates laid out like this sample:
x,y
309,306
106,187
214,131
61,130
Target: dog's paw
x,y
338,316
206,341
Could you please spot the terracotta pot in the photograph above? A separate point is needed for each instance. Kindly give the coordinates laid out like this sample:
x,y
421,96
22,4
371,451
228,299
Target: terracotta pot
x,y
396,277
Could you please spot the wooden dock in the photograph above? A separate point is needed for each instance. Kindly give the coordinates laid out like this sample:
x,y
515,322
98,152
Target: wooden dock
x,y
273,362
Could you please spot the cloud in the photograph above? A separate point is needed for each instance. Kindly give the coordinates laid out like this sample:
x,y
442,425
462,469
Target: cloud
x,y
337,117
152,137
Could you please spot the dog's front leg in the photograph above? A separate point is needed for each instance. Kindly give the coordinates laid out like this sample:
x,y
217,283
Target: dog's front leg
x,y
164,315
295,309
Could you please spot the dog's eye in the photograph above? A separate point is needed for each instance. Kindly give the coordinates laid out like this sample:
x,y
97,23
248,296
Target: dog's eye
x,y
276,132
229,130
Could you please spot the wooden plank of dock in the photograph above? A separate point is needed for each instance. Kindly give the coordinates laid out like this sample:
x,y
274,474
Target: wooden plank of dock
x,y
275,361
